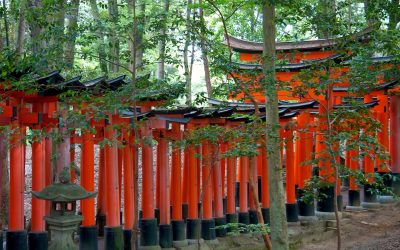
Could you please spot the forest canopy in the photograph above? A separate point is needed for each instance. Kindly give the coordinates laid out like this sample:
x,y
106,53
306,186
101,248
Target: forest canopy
x,y
170,40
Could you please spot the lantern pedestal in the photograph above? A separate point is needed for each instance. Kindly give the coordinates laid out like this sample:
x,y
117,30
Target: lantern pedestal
x,y
61,228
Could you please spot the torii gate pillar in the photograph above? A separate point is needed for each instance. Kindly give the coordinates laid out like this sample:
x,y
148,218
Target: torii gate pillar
x,y
394,138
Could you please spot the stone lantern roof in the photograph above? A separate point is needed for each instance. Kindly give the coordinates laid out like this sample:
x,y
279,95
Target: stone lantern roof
x,y
63,192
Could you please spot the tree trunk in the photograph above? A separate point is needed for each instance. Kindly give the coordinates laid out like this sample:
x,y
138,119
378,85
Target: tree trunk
x,y
326,18
253,188
34,9
100,49
204,53
21,29
161,44
72,25
132,37
394,14
279,234
6,30
253,15
188,78
57,37
114,41
141,20
1,39
135,43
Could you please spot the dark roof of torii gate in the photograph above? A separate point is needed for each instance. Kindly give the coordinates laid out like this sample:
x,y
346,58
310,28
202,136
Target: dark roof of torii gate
x,y
54,84
240,45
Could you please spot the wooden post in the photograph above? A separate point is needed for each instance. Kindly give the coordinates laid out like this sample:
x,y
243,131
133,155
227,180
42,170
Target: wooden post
x,y
354,192
101,197
223,163
72,157
291,206
394,139
48,164
304,145
113,237
243,191
192,222
164,181
111,166
17,179
178,224
193,186
206,181
38,183
176,182
147,176
207,222
253,178
88,229
148,222
217,182
383,135
165,228
230,186
395,133
129,204
87,178
120,162
264,185
290,180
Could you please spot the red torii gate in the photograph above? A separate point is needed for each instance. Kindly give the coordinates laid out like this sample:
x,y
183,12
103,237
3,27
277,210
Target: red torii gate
x,y
302,55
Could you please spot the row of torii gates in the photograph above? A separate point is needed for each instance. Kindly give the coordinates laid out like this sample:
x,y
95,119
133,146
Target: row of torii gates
x,y
171,190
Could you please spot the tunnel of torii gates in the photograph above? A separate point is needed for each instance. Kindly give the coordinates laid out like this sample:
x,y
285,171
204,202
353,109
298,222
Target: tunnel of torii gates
x,y
170,211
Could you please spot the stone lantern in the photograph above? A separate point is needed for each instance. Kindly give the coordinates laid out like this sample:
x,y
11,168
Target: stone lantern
x,y
63,220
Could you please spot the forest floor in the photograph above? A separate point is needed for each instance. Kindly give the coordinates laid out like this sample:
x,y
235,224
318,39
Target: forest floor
x,y
366,230
361,230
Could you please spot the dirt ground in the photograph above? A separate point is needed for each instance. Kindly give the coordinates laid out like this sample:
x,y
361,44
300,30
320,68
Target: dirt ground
x,y
366,230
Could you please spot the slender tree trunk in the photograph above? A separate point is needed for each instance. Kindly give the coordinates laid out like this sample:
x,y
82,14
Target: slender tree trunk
x,y
21,29
161,44
133,51
334,154
101,45
253,188
132,36
253,15
279,234
135,43
114,41
140,28
6,29
204,53
1,39
72,25
350,11
188,79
